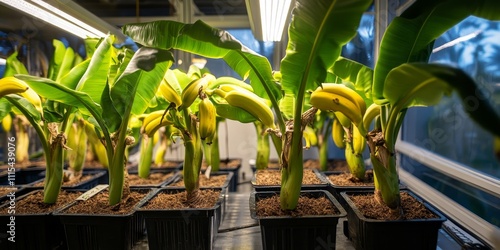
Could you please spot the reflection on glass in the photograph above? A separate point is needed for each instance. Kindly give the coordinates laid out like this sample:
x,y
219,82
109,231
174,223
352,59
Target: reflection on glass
x,y
474,46
360,48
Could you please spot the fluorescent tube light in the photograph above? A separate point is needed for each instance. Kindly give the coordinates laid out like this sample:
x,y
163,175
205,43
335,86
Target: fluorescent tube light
x,y
268,18
67,16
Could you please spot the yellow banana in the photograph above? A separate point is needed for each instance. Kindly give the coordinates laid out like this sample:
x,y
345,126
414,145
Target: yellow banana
x,y
169,93
358,141
310,137
348,93
231,81
338,134
325,100
193,89
12,85
253,104
33,98
153,121
7,123
371,113
161,151
207,118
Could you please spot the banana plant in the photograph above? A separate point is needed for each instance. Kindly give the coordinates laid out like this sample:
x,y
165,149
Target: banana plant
x,y
116,84
318,31
404,78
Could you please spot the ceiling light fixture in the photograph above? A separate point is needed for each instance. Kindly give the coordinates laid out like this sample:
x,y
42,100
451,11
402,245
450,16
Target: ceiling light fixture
x,y
268,18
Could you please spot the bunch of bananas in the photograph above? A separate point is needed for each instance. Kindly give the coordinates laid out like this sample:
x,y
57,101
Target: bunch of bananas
x,y
194,89
207,119
247,100
155,120
12,85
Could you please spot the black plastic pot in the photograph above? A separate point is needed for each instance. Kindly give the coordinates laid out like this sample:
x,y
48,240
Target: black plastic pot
x,y
102,231
335,190
190,228
322,186
306,232
400,234
31,231
22,177
233,184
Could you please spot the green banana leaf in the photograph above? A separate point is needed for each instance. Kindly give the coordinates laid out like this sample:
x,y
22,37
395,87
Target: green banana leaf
x,y
95,77
54,91
138,84
201,39
410,37
25,107
227,111
14,66
425,84
61,61
5,108
72,78
358,74
317,33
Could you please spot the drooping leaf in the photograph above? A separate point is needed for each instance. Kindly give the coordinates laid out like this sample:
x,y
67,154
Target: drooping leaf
x,y
317,33
25,107
57,92
421,84
410,38
201,39
138,84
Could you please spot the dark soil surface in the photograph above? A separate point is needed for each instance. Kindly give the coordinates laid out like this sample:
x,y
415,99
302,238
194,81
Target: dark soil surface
x,y
99,204
412,208
273,177
206,199
344,179
332,165
72,182
33,203
270,206
214,181
153,179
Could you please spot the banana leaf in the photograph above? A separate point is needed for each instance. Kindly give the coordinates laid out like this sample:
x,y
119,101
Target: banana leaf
x,y
201,39
358,74
410,37
61,61
425,84
317,33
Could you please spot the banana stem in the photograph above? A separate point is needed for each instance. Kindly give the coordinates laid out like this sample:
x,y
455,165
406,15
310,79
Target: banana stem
x,y
263,149
54,172
215,149
146,156
193,156
291,176
117,166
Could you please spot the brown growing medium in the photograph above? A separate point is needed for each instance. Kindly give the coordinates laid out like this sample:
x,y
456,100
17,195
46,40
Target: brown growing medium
x,y
168,164
270,206
214,181
154,178
6,190
273,178
332,165
224,164
344,179
98,204
33,203
70,183
207,199
371,209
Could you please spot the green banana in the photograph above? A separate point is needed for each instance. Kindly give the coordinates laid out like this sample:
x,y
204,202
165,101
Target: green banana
x,y
207,118
338,134
339,98
355,162
310,137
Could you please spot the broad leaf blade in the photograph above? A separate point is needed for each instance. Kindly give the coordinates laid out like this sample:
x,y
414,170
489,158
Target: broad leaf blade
x,y
138,84
317,33
57,92
410,38
358,74
420,84
14,66
199,38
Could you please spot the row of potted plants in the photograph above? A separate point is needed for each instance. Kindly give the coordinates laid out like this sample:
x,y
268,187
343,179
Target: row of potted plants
x,y
115,85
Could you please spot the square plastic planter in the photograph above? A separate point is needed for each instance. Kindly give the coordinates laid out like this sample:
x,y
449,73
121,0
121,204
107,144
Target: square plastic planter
x,y
335,190
400,234
23,177
102,231
190,228
322,186
307,232
31,231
